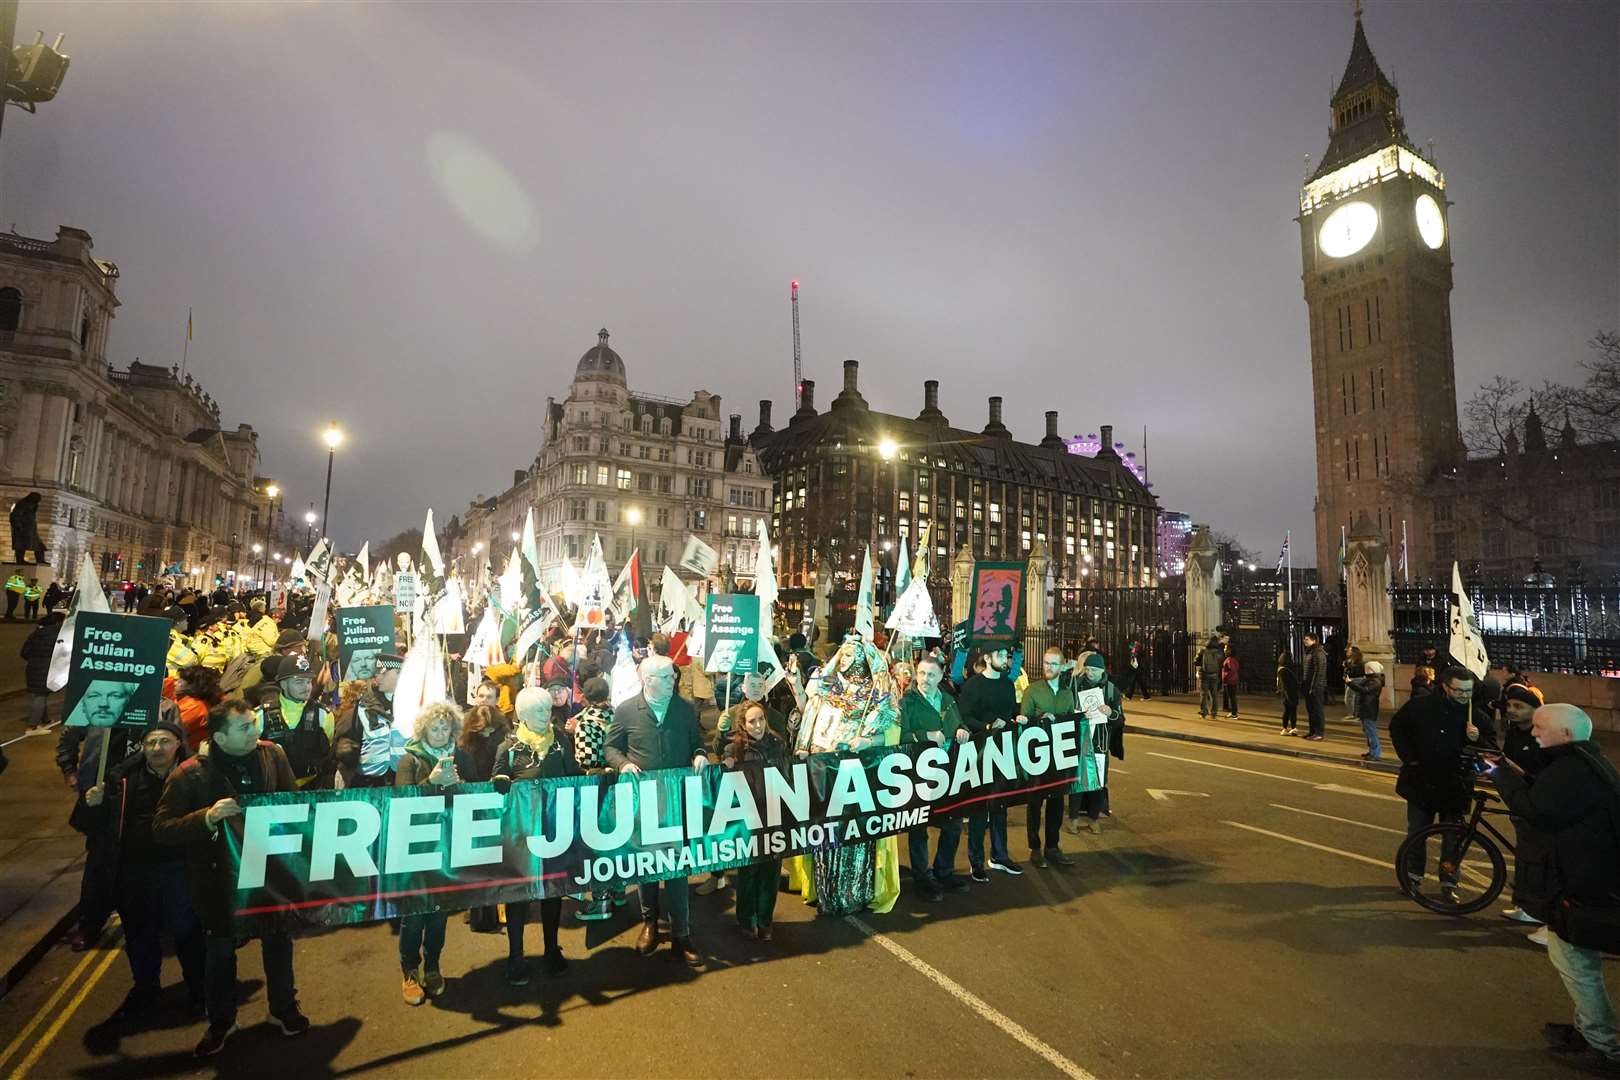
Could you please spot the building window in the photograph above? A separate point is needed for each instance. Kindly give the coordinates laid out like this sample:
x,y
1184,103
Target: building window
x,y
645,425
665,485
661,551
602,476
623,478
10,309
662,519
663,426
699,520
601,511
582,474
663,454
582,444
621,549
644,481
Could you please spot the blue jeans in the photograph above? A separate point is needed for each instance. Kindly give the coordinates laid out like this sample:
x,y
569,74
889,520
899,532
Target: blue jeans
x,y
944,868
676,903
996,820
1582,972
1375,749
421,940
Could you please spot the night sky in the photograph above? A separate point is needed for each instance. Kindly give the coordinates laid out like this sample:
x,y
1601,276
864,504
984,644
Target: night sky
x,y
414,219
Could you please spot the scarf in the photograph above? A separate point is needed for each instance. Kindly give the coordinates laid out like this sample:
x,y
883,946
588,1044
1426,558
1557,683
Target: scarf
x,y
538,742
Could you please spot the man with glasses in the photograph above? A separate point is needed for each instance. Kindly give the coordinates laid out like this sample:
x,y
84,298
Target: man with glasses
x,y
658,730
1429,734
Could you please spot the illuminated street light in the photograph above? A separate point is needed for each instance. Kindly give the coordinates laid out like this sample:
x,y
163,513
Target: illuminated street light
x,y
888,448
477,548
515,536
333,437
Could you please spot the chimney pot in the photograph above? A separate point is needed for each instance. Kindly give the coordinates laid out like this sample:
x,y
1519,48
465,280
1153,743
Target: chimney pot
x,y
736,427
995,409
765,413
931,394
807,396
851,372
1107,436
1051,423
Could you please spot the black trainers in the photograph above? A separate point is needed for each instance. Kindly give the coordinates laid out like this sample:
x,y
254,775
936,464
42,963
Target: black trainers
x,y
213,1040
1563,1038
1036,858
1006,866
140,999
981,875
1057,858
292,1022
517,971
552,963
952,883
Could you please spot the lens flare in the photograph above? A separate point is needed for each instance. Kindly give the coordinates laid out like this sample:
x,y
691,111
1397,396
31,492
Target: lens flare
x,y
482,191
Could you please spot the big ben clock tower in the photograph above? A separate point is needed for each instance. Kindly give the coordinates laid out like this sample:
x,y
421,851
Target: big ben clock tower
x,y
1376,250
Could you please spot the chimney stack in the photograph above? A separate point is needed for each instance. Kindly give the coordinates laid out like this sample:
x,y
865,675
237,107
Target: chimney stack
x,y
1052,439
807,398
931,411
764,414
995,426
851,397
1106,439
736,427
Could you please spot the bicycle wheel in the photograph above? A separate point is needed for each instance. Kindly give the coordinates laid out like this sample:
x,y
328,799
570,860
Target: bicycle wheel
x,y
1447,871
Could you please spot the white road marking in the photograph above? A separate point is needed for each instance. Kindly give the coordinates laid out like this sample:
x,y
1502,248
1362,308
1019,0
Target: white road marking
x,y
1338,789
1342,790
1345,820
973,1001
1388,864
1163,794
1367,774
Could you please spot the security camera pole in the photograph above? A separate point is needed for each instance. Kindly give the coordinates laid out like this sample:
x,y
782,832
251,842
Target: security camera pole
x,y
29,74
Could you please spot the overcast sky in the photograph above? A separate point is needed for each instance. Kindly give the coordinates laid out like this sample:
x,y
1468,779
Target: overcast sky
x,y
413,219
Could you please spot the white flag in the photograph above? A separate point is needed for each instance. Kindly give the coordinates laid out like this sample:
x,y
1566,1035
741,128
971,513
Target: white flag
x,y
421,683
320,558
511,582
317,614
863,600
765,582
595,591
88,597
364,558
625,681
1467,643
430,548
914,612
672,602
699,557
448,617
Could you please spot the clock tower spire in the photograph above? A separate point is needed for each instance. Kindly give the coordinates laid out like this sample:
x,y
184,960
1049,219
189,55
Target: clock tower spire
x,y
1376,258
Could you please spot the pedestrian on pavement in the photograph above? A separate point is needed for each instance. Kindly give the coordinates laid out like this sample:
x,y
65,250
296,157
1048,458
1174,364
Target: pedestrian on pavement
x,y
1530,845
1136,675
432,759
1229,682
1288,690
1354,667
153,893
1092,674
54,596
200,795
658,730
1313,686
1429,734
1210,659
929,715
987,704
754,743
1048,698
1573,800
1367,690
537,748
37,649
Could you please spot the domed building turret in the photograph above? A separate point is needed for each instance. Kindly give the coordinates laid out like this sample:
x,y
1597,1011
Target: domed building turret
x,y
600,363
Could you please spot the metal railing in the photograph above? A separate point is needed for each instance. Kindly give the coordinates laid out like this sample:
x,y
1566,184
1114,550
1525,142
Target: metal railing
x,y
1572,628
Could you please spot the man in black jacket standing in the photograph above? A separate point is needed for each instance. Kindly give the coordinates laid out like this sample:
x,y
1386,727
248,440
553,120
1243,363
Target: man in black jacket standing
x,y
1575,800
987,704
1429,734
200,795
657,729
1313,686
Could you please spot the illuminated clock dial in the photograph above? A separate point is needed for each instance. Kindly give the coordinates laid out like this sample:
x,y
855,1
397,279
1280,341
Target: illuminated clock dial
x,y
1430,222
1348,229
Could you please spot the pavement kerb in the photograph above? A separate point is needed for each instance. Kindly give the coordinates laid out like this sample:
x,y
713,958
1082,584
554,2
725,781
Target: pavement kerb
x,y
37,951
1281,751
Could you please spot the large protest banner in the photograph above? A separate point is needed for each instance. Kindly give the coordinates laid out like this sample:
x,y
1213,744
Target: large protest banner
x,y
331,858
116,674
363,633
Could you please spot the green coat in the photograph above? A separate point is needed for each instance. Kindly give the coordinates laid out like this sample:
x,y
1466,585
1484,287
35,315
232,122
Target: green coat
x,y
1040,698
918,718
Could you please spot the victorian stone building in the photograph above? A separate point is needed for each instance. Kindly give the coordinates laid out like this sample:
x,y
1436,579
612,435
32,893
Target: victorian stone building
x,y
852,476
133,465
1375,246
641,470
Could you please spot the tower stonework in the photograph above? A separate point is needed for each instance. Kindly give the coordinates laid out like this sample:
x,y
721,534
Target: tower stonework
x,y
1375,248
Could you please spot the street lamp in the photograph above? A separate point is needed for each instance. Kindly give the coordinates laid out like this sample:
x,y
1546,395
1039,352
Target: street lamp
x,y
309,525
270,492
515,536
633,516
333,437
888,448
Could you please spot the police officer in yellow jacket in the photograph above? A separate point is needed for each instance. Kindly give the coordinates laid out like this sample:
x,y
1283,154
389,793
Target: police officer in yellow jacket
x,y
16,585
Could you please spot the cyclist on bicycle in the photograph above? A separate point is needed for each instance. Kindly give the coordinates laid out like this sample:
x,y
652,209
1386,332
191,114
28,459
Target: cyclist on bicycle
x,y
1429,734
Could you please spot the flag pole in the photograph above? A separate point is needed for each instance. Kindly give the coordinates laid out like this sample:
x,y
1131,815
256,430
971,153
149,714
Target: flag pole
x,y
185,350
1288,542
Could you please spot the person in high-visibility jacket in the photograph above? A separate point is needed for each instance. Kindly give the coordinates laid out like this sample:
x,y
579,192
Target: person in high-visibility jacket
x,y
16,585
262,632
182,650
31,598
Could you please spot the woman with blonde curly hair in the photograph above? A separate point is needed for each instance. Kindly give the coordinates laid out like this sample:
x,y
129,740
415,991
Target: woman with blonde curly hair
x,y
431,759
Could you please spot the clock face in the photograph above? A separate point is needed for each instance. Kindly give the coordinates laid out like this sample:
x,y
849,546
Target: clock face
x,y
1348,229
1430,222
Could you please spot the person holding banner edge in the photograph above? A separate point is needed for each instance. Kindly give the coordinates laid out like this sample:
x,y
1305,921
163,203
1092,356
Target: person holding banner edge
x,y
200,796
1048,699
989,703
658,730
928,714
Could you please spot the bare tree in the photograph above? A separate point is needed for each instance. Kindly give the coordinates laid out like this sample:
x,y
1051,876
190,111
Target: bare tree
x,y
1496,411
409,541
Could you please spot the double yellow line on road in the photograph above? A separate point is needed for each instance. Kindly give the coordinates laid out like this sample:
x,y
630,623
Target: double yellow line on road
x,y
109,944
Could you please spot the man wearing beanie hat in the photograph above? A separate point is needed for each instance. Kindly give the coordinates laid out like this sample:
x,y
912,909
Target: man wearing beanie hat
x,y
1573,800
1519,705
152,894
1091,673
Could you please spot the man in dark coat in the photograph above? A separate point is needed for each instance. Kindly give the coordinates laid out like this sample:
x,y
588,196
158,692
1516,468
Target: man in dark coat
x,y
200,797
1575,800
1429,734
36,653
657,729
1313,686
152,890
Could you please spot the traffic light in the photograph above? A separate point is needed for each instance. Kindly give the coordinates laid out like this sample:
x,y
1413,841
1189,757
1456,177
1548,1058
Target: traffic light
x,y
36,71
